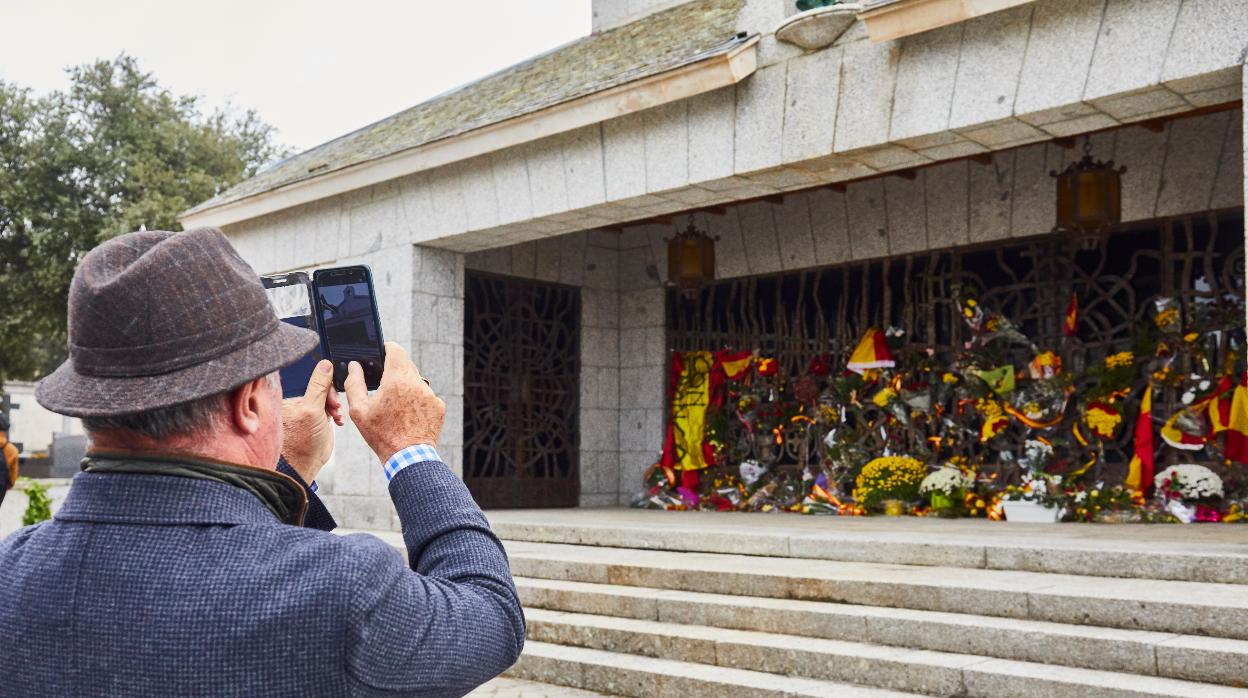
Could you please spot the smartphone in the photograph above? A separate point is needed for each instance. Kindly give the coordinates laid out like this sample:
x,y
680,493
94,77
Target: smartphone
x,y
346,306
291,298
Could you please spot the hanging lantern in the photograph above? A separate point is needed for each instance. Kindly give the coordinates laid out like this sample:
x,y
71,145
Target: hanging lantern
x,y
1089,194
691,260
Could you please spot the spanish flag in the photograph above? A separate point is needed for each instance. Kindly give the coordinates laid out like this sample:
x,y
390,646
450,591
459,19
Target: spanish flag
x,y
1140,472
872,352
1237,425
1070,324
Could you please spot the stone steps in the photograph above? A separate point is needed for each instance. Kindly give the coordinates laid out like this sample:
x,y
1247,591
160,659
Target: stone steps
x,y
1139,652
620,674
1177,607
855,663
1209,554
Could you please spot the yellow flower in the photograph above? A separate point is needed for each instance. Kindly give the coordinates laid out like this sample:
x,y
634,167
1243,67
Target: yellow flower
x,y
1167,317
1122,358
949,378
1191,336
883,397
990,408
1103,420
1047,358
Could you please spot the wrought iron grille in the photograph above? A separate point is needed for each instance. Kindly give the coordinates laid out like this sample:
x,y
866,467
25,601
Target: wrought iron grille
x,y
796,315
521,391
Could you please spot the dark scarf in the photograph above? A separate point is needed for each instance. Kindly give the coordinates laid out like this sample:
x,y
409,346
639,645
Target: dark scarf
x,y
282,495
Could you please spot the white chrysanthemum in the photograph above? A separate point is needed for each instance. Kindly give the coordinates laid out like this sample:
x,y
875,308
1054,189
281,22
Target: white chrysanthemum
x,y
946,480
1194,481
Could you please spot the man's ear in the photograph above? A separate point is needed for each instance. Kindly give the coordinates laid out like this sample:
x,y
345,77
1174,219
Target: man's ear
x,y
247,405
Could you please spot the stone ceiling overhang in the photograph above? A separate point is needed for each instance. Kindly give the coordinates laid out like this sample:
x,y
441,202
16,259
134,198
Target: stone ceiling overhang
x,y
1033,73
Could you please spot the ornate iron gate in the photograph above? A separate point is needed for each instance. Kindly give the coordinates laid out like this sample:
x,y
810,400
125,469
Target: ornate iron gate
x,y
521,391
796,315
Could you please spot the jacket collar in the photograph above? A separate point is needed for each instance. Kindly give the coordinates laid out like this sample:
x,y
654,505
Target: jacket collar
x,y
122,487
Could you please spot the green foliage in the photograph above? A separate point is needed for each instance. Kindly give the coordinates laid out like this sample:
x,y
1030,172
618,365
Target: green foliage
x,y
40,504
114,152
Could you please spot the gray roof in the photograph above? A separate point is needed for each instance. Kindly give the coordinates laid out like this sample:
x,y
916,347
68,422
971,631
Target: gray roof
x,y
654,44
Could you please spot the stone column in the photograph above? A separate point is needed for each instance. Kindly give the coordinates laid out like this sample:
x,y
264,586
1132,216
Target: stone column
x,y
600,371
643,353
420,294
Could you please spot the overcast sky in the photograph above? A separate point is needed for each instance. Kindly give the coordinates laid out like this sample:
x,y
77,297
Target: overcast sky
x,y
315,69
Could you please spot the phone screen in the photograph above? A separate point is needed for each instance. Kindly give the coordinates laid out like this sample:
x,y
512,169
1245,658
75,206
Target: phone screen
x,y
350,327
291,298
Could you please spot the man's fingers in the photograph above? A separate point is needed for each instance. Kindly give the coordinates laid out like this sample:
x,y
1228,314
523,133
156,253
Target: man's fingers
x,y
333,406
357,390
396,358
321,382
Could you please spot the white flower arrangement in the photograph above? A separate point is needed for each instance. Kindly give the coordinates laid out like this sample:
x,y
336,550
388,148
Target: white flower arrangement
x,y
1193,482
946,481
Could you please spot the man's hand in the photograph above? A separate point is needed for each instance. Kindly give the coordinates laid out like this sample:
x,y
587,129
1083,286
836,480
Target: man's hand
x,y
403,412
308,439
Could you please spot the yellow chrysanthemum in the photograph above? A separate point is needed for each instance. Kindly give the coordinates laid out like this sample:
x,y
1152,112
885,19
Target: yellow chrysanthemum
x,y
1122,358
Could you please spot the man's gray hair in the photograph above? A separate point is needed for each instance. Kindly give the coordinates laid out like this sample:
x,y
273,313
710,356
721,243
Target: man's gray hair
x,y
194,417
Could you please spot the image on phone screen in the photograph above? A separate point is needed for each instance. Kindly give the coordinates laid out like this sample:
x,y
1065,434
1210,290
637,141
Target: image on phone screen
x,y
349,323
293,305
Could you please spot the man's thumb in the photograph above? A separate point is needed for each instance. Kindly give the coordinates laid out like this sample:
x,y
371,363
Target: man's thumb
x,y
318,384
357,390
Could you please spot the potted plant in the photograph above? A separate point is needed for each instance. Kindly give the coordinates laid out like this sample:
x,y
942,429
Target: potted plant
x,y
1032,501
1190,492
945,489
889,483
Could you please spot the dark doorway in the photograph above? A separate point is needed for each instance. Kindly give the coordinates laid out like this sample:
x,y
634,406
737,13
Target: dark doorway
x,y
521,392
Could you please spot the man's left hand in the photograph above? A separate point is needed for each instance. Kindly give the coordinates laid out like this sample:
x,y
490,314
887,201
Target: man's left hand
x,y
306,433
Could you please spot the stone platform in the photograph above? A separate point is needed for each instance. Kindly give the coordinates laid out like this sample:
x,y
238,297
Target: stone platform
x,y
645,603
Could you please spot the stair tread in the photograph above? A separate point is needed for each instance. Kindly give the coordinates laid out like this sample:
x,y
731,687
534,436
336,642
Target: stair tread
x,y
973,667
671,677
854,611
1223,596
1182,553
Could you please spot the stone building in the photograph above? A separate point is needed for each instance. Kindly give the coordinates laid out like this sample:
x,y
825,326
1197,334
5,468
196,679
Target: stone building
x,y
517,226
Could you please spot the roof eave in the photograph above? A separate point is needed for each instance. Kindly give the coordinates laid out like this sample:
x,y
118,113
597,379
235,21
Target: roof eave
x,y
714,72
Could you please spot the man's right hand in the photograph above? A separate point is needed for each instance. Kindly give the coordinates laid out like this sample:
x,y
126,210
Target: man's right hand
x,y
403,411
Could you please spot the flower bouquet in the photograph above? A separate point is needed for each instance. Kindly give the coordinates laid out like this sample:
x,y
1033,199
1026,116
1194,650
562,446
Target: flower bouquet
x,y
944,489
1190,492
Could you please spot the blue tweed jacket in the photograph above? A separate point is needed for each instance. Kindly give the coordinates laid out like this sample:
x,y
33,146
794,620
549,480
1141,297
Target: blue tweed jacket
x,y
149,585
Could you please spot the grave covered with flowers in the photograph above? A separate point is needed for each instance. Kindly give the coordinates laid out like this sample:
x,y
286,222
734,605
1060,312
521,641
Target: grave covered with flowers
x,y
1154,428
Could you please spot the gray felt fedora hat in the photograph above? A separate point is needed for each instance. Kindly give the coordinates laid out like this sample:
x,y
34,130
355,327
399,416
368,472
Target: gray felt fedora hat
x,y
158,319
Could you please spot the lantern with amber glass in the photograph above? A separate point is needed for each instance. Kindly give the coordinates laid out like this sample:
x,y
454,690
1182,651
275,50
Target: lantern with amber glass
x,y
1089,195
691,260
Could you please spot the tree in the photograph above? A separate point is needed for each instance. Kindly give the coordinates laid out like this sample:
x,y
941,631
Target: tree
x,y
114,152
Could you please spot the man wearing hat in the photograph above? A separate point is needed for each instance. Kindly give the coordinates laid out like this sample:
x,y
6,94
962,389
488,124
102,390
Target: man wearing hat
x,y
8,459
186,558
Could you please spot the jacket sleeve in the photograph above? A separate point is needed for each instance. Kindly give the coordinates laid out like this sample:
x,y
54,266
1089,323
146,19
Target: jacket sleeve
x,y
317,515
451,622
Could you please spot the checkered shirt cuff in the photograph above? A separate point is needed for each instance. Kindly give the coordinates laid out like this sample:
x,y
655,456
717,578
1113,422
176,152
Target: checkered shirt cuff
x,y
420,453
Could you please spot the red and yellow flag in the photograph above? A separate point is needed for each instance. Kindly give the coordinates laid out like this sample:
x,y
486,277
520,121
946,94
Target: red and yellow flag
x,y
1140,472
1070,324
872,352
1237,426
